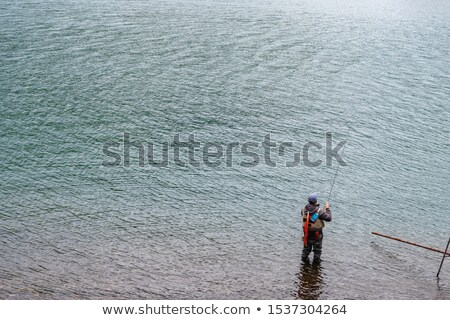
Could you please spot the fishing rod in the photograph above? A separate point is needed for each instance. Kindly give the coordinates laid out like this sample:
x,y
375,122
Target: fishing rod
x,y
337,169
334,179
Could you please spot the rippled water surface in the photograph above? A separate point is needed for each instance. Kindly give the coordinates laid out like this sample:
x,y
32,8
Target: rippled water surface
x,y
75,75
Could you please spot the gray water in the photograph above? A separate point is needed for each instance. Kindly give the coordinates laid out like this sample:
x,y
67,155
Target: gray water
x,y
75,75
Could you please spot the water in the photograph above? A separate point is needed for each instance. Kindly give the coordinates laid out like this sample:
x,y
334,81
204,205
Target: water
x,y
76,75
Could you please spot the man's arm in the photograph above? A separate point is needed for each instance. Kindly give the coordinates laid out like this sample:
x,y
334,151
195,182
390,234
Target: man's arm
x,y
325,214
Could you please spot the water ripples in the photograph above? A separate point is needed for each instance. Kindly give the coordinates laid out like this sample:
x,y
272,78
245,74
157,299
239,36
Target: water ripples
x,y
78,75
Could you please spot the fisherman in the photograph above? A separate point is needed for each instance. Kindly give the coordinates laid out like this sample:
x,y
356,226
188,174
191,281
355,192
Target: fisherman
x,y
313,218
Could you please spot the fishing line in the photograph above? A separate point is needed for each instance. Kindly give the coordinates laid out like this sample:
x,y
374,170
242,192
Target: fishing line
x,y
337,169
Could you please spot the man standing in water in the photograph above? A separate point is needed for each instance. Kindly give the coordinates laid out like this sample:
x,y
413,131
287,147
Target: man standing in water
x,y
313,218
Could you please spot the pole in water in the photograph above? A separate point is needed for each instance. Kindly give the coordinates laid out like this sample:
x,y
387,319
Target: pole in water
x,y
446,253
442,261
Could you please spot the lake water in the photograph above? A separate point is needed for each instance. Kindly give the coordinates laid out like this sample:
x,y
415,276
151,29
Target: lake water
x,y
76,75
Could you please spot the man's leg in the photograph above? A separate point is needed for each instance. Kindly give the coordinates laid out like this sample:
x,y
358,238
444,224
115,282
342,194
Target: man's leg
x,y
317,250
306,251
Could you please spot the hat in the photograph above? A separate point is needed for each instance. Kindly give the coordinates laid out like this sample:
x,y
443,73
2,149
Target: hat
x,y
312,198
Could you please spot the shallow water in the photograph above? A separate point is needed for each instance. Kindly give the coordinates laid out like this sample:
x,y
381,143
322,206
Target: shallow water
x,y
76,75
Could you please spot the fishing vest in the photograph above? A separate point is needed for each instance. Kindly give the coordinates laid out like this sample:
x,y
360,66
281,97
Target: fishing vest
x,y
312,226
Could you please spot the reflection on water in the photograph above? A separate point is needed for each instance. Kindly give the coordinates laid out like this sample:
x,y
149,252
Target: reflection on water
x,y
442,290
310,285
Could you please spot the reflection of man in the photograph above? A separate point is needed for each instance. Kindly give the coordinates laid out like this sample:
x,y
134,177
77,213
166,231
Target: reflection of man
x,y
310,282
313,222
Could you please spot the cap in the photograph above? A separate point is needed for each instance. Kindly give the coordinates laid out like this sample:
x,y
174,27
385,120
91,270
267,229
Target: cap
x,y
312,198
